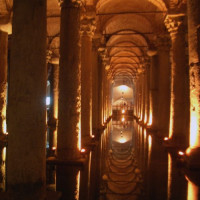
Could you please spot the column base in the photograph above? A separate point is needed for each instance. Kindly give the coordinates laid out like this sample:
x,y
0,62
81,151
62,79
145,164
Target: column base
x,y
76,162
192,158
174,143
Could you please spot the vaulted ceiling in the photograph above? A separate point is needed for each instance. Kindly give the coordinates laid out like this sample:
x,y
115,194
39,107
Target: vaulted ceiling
x,y
129,28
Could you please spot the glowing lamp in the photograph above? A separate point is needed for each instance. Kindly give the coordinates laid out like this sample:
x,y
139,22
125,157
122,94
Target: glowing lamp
x,y
123,119
166,138
180,153
93,136
123,111
53,148
83,150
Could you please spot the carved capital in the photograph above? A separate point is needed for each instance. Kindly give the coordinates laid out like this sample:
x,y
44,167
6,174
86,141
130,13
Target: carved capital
x,y
49,54
88,26
102,52
70,3
174,23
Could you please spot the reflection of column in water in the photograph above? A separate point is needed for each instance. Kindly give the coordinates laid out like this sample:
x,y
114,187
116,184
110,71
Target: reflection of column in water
x,y
192,190
2,168
169,177
149,148
177,185
68,181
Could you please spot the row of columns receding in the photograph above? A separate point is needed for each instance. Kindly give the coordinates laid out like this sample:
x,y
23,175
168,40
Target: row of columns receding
x,y
79,89
80,75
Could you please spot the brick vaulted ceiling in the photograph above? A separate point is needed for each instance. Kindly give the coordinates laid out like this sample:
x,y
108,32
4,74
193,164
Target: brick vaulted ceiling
x,y
130,29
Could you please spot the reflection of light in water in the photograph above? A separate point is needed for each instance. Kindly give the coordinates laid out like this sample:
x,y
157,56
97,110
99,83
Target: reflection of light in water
x,y
122,140
89,169
3,169
192,190
169,177
149,148
77,186
123,119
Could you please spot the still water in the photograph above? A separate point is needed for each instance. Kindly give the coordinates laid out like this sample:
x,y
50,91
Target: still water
x,y
127,163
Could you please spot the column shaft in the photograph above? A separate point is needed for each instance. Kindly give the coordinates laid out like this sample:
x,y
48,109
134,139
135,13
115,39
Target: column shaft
x,y
87,28
69,82
179,115
163,86
26,101
194,63
154,92
53,108
3,78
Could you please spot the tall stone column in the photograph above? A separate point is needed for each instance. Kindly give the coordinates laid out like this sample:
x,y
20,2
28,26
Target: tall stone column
x,y
102,53
53,109
69,82
163,46
179,105
87,29
153,118
3,79
95,87
147,91
194,71
26,166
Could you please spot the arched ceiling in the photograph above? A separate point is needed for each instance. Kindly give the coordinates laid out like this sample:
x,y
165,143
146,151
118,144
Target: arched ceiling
x,y
130,29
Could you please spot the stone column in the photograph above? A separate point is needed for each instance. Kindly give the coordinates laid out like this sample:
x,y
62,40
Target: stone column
x,y
179,105
194,71
95,87
3,79
87,29
153,121
53,109
26,167
147,99
69,82
102,53
163,46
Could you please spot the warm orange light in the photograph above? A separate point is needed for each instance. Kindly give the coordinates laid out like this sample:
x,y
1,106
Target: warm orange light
x,y
192,190
123,119
180,153
193,129
169,176
150,113
166,138
93,136
4,127
123,111
77,186
53,148
83,150
123,88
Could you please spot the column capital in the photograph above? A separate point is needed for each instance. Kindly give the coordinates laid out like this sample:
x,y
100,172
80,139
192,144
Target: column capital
x,y
70,3
88,26
174,23
48,55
